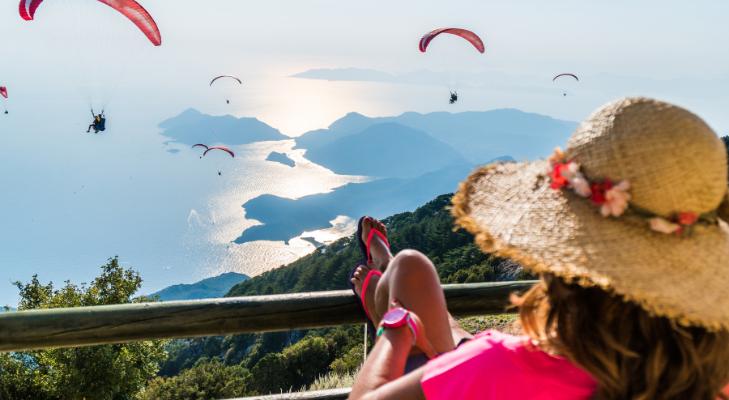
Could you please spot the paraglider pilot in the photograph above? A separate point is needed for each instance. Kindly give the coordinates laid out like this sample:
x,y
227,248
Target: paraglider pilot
x,y
454,97
99,123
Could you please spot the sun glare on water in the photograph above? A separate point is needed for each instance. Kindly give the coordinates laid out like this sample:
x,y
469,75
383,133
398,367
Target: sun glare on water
x,y
296,106
213,229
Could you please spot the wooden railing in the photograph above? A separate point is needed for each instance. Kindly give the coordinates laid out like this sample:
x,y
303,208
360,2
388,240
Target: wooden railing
x,y
333,394
86,326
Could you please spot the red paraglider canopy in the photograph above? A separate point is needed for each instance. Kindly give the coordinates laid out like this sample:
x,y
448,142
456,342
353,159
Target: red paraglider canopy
x,y
129,8
221,148
565,74
464,33
4,91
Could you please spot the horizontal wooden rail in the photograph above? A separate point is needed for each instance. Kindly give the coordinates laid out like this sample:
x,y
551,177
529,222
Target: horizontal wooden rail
x,y
85,326
332,394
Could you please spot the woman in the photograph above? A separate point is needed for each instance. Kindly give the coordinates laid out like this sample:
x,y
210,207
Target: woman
x,y
628,232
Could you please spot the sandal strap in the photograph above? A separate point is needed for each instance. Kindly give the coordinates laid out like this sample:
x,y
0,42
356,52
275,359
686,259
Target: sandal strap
x,y
365,285
370,236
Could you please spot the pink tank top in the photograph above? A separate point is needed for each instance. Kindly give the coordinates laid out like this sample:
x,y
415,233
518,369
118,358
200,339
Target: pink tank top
x,y
494,365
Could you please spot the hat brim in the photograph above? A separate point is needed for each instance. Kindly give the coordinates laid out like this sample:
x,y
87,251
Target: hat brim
x,y
514,213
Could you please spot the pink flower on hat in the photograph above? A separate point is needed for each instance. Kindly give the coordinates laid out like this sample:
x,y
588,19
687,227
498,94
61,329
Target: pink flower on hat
x,y
661,225
616,200
567,174
581,186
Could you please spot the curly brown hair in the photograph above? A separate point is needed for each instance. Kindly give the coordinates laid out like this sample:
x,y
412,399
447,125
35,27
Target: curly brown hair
x,y
631,354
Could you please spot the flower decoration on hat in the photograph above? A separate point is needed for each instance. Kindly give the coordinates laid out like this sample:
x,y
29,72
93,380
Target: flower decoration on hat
x,y
612,198
677,226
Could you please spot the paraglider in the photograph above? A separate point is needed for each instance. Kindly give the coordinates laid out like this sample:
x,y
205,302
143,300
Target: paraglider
x,y
566,74
225,76
211,148
463,33
99,122
221,148
227,101
469,36
129,8
454,97
200,145
4,93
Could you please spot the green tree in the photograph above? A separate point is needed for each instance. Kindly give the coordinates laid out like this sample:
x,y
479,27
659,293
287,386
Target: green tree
x,y
206,380
113,372
297,366
349,362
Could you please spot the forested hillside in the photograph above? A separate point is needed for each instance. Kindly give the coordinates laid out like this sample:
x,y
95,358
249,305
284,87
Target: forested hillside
x,y
428,229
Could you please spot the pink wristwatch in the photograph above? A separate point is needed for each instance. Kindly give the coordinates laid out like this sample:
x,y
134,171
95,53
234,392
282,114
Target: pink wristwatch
x,y
396,318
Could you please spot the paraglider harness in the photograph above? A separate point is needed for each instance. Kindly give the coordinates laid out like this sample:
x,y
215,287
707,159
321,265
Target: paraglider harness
x,y
99,124
454,97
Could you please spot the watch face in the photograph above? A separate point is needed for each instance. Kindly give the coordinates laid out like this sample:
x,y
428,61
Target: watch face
x,y
395,317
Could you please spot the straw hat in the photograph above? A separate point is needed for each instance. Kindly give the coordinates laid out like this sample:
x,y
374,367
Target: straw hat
x,y
667,251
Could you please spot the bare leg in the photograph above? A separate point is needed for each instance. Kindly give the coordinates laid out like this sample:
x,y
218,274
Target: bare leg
x,y
410,278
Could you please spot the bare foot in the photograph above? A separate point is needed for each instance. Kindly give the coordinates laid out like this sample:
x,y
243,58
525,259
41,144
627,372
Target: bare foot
x,y
369,298
379,252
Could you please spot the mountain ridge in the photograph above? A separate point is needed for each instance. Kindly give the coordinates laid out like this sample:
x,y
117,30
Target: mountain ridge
x,y
191,126
478,135
216,286
388,150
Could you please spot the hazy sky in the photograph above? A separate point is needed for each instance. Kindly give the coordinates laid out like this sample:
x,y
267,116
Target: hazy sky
x,y
665,40
70,200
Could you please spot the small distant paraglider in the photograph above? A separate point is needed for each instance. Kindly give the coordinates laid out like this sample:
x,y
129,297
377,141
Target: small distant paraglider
x,y
99,122
227,101
129,8
221,148
4,94
204,146
211,148
454,97
565,75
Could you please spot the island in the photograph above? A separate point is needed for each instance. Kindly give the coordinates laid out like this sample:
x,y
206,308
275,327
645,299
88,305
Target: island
x,y
280,158
192,126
